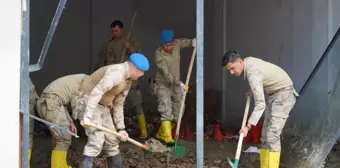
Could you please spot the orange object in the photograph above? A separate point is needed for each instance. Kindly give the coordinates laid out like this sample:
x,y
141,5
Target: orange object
x,y
217,132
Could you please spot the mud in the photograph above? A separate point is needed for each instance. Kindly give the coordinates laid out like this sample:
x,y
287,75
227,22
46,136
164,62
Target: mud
x,y
156,146
215,155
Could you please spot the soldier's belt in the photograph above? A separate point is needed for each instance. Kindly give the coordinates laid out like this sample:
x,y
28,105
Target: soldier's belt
x,y
281,90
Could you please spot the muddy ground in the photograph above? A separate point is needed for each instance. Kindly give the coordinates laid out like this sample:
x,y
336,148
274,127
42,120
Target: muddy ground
x,y
215,155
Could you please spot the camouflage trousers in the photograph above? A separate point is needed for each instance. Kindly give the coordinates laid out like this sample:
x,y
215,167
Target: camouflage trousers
x,y
169,101
50,108
278,108
133,102
99,140
32,102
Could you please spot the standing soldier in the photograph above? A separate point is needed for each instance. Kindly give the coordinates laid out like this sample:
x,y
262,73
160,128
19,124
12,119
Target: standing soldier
x,y
111,53
106,90
265,77
169,88
52,106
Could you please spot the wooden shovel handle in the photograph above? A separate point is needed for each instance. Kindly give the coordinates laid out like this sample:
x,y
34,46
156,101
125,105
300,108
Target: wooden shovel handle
x,y
129,34
245,117
144,146
185,94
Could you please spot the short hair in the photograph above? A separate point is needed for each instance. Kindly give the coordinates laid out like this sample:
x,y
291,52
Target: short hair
x,y
117,23
230,56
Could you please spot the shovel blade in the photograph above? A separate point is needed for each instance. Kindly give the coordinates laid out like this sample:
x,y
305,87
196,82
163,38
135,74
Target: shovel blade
x,y
178,151
230,163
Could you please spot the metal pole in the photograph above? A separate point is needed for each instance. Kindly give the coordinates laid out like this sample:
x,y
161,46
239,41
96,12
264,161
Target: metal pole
x,y
47,43
200,83
24,81
55,126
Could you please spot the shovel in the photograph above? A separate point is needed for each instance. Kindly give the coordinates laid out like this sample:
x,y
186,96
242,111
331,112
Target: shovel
x,y
177,150
144,146
239,145
129,34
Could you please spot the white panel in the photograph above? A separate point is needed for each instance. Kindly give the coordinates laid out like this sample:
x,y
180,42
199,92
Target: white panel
x,y
10,33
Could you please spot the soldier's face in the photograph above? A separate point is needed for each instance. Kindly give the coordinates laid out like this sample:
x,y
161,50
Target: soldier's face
x,y
167,47
235,68
117,32
137,74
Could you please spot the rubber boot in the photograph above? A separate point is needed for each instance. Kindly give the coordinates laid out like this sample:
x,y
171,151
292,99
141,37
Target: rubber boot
x,y
29,157
274,159
142,126
115,161
164,133
160,132
87,162
58,159
264,158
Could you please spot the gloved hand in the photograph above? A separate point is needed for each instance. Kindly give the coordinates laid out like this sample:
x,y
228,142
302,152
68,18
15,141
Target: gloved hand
x,y
124,135
193,42
184,87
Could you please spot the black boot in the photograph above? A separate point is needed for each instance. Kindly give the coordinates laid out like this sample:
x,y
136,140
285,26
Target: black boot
x,y
115,161
87,162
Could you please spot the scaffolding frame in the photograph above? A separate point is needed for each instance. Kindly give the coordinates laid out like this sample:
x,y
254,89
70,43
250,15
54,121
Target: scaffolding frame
x,y
26,69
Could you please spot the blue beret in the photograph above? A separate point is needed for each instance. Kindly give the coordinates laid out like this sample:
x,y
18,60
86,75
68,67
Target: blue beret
x,y
167,36
139,61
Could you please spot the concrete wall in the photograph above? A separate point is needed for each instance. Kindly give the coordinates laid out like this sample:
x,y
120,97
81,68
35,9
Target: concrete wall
x,y
69,52
291,34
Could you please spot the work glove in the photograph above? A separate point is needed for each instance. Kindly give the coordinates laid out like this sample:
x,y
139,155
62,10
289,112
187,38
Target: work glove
x,y
184,87
124,135
193,42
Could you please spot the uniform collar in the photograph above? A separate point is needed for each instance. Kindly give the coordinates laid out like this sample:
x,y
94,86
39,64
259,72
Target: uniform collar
x,y
126,70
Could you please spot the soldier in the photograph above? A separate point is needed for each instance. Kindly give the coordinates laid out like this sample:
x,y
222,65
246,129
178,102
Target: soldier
x,y
265,77
111,53
33,96
52,106
168,86
106,90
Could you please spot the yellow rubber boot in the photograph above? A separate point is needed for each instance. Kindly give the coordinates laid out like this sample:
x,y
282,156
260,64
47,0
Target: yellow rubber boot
x,y
274,159
264,158
164,133
142,126
29,157
58,159
160,132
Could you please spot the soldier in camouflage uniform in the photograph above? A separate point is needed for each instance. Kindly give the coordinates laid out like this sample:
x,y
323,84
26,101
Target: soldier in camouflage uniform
x,y
265,77
169,88
52,106
104,91
33,96
111,53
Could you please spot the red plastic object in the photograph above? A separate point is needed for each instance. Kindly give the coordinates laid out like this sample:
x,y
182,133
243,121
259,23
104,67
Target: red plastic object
x,y
256,132
187,133
206,136
174,132
249,137
217,132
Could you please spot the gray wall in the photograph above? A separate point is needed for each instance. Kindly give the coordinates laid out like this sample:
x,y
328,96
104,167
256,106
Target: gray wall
x,y
69,51
292,34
